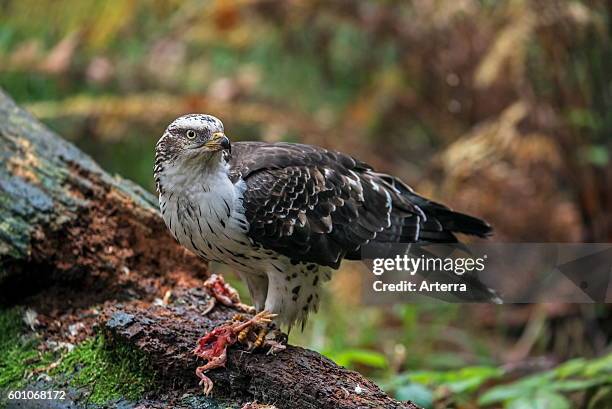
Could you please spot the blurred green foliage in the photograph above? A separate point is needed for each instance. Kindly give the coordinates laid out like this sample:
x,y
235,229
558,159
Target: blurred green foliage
x,y
541,390
419,89
546,387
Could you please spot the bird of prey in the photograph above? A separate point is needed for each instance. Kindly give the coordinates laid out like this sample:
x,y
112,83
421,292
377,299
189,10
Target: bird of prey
x,y
284,215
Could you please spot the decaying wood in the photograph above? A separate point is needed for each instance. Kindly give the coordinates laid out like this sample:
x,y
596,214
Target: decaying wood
x,y
294,378
73,238
64,218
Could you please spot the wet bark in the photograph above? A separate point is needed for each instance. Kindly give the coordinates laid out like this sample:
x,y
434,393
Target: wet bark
x,y
73,237
63,218
294,378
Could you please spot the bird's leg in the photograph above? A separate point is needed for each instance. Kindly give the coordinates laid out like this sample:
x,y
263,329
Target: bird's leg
x,y
243,336
225,294
213,346
275,339
263,336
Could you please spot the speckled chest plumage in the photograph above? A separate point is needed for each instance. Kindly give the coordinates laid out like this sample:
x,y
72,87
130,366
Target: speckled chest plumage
x,y
206,216
205,213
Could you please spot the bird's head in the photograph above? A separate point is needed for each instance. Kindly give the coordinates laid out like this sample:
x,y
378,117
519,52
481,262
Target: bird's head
x,y
193,137
193,140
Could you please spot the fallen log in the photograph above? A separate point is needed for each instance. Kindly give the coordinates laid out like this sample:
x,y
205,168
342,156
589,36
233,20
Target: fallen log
x,y
73,238
294,378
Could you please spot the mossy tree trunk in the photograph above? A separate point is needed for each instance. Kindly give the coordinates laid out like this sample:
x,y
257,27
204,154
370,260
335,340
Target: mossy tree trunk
x,y
74,239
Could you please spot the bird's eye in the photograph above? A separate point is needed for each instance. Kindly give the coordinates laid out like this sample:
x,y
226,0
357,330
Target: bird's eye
x,y
191,134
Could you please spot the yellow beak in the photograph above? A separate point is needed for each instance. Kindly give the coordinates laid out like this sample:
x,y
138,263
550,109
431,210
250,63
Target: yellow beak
x,y
219,141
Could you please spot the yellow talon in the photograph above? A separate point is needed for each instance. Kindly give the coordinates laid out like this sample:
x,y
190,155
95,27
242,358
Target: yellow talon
x,y
261,337
242,335
238,317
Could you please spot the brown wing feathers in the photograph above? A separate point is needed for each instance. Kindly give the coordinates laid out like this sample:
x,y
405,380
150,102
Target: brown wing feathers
x,y
315,205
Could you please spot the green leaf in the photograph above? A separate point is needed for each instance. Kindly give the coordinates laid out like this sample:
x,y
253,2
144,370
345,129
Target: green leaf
x,y
571,368
595,154
361,356
470,379
416,393
472,375
517,389
465,385
427,377
582,118
572,385
500,394
598,366
541,400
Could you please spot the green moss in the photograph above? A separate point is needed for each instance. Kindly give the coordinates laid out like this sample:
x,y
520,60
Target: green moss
x,y
18,353
111,374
